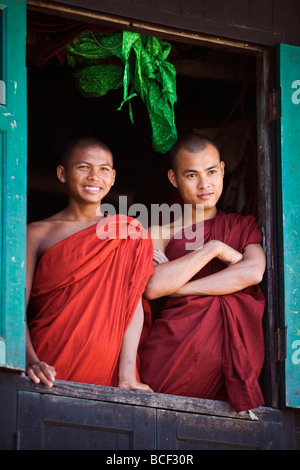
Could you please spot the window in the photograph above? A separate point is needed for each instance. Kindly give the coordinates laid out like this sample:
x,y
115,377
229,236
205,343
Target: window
x,y
216,90
52,88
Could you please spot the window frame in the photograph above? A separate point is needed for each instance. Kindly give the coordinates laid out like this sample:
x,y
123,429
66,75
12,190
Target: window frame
x,y
288,122
266,175
13,152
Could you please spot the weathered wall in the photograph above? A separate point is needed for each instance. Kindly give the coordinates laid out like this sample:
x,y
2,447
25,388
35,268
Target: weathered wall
x,y
267,22
74,416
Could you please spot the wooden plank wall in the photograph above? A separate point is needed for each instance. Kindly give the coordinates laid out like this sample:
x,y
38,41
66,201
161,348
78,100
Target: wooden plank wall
x,y
73,416
266,22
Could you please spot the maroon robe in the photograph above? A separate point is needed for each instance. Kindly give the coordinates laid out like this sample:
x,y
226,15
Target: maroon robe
x,y
210,346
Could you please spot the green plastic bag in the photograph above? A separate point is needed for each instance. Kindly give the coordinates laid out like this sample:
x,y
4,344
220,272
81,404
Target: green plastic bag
x,y
143,71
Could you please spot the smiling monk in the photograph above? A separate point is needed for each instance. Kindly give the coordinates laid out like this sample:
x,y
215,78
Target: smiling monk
x,y
84,291
208,341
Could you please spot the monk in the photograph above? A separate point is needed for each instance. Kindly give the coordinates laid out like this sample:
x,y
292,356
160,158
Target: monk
x,y
208,340
86,274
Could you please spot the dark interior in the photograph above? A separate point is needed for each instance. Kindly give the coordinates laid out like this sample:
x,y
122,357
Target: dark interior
x,y
216,94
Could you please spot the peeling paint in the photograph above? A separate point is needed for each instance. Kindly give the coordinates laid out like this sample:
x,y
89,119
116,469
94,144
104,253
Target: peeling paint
x,y
291,270
252,415
289,81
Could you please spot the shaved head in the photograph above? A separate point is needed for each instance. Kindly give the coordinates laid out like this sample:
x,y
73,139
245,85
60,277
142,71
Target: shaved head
x,y
192,143
82,144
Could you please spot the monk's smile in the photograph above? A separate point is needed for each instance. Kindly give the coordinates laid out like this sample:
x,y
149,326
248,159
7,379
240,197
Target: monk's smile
x,y
205,196
92,189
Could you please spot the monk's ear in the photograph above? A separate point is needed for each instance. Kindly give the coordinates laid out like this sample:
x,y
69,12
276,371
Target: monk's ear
x,y
113,177
61,173
223,168
172,177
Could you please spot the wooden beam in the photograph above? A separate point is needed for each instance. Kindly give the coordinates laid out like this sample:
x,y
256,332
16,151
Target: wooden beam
x,y
154,28
213,70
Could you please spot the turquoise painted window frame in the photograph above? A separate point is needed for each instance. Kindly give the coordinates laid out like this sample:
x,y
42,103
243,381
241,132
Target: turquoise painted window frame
x,y
13,154
288,146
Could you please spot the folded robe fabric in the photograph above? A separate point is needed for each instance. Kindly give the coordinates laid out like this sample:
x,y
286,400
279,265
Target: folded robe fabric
x,y
210,346
85,291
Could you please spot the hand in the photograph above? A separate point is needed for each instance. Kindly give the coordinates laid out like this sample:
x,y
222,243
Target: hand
x,y
227,254
134,385
159,257
41,372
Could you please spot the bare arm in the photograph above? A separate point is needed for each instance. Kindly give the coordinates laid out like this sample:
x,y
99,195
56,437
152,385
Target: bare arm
x,y
127,361
234,278
169,277
36,370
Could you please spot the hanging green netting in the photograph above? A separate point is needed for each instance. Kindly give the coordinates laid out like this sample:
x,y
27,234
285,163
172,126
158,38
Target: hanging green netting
x,y
143,70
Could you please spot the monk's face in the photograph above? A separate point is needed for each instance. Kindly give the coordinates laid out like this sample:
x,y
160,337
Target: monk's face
x,y
89,174
199,178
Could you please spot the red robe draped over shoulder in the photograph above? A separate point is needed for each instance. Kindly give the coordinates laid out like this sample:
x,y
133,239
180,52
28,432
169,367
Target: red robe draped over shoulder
x,y
85,291
210,346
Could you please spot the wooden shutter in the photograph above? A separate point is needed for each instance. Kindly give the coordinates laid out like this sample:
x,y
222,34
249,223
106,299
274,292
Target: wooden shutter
x,y
13,147
288,77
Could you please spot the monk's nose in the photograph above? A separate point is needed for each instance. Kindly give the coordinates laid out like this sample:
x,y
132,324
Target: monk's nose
x,y
94,175
203,182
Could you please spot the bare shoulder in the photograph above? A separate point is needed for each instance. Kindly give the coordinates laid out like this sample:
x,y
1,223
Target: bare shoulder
x,y
41,227
36,231
38,236
39,233
160,235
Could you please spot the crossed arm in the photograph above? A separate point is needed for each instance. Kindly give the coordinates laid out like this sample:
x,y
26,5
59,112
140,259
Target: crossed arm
x,y
173,278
